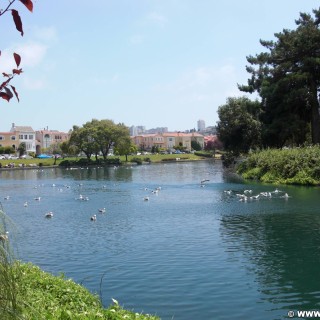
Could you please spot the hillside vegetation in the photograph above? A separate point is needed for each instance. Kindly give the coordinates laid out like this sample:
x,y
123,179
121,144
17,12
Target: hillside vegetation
x,y
283,166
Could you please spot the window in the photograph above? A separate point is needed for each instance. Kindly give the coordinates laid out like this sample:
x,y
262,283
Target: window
x,y
1,138
26,137
20,136
13,137
30,136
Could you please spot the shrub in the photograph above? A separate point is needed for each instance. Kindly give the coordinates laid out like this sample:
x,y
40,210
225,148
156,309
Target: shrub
x,y
136,160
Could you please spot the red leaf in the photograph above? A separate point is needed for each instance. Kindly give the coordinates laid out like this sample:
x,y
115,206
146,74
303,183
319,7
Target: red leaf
x,y
17,20
15,92
17,58
8,92
4,96
17,71
5,74
28,4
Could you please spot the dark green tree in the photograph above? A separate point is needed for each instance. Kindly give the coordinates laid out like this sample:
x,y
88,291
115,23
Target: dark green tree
x,y
239,128
195,145
22,149
287,78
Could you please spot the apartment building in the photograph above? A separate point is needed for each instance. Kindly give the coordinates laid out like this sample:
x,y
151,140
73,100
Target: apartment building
x,y
167,140
9,139
45,138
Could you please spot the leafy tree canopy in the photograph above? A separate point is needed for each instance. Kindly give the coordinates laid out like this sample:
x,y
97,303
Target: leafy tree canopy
x,y
239,128
287,77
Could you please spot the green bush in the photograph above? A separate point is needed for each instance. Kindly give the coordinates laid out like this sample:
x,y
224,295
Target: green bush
x,y
136,160
290,166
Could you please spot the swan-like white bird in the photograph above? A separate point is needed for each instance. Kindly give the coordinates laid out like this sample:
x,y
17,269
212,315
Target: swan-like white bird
x,y
94,217
49,214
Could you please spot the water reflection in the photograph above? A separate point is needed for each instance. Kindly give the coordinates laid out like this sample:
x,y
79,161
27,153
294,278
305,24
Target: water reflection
x,y
279,244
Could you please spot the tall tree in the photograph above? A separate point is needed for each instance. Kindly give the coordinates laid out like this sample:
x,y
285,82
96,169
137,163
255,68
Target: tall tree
x,y
287,78
239,128
98,137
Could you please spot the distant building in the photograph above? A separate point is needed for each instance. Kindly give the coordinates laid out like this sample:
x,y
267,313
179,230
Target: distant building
x,y
136,130
201,125
157,130
167,140
25,135
9,139
46,138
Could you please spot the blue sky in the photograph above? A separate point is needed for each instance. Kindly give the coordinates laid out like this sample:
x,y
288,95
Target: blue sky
x,y
157,63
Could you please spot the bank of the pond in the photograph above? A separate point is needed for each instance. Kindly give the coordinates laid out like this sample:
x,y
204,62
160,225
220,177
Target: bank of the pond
x,y
44,296
36,163
300,166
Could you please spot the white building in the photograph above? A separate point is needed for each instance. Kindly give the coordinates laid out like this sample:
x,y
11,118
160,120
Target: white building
x,y
27,135
201,125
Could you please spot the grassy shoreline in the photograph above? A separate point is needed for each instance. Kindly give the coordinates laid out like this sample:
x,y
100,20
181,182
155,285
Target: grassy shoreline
x,y
40,295
152,158
299,166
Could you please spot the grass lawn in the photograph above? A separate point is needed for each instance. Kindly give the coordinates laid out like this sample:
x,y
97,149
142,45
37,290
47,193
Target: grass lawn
x,y
156,158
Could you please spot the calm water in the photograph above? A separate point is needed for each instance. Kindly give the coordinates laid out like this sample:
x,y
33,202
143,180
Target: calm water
x,y
190,252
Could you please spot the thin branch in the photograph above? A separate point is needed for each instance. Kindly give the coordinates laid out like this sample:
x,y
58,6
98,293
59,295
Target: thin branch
x,y
7,8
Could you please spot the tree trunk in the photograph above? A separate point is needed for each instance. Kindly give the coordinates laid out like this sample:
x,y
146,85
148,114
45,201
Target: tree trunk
x,y
315,117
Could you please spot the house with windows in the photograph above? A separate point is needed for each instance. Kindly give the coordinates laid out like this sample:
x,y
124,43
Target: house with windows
x,y
9,139
25,134
45,138
167,140
147,141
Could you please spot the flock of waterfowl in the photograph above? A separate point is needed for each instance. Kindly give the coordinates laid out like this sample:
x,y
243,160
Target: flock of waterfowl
x,y
248,195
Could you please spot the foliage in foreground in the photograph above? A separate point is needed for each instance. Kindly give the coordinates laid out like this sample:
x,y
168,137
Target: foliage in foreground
x,y
284,166
44,296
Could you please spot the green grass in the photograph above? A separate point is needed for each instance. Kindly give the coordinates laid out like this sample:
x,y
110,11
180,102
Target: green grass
x,y
285,166
44,296
155,158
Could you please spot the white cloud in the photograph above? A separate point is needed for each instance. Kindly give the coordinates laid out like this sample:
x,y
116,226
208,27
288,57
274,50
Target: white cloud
x,y
34,84
46,34
157,19
31,55
204,84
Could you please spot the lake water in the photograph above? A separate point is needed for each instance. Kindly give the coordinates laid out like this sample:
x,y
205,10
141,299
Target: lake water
x,y
190,252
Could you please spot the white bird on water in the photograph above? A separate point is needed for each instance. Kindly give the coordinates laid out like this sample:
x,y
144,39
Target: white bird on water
x,y
102,210
49,214
94,217
25,204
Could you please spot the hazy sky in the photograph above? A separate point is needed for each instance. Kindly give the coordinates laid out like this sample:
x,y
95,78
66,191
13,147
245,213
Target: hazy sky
x,y
157,63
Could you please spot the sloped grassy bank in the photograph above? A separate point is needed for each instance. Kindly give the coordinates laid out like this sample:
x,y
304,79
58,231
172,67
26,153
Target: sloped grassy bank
x,y
299,166
40,295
